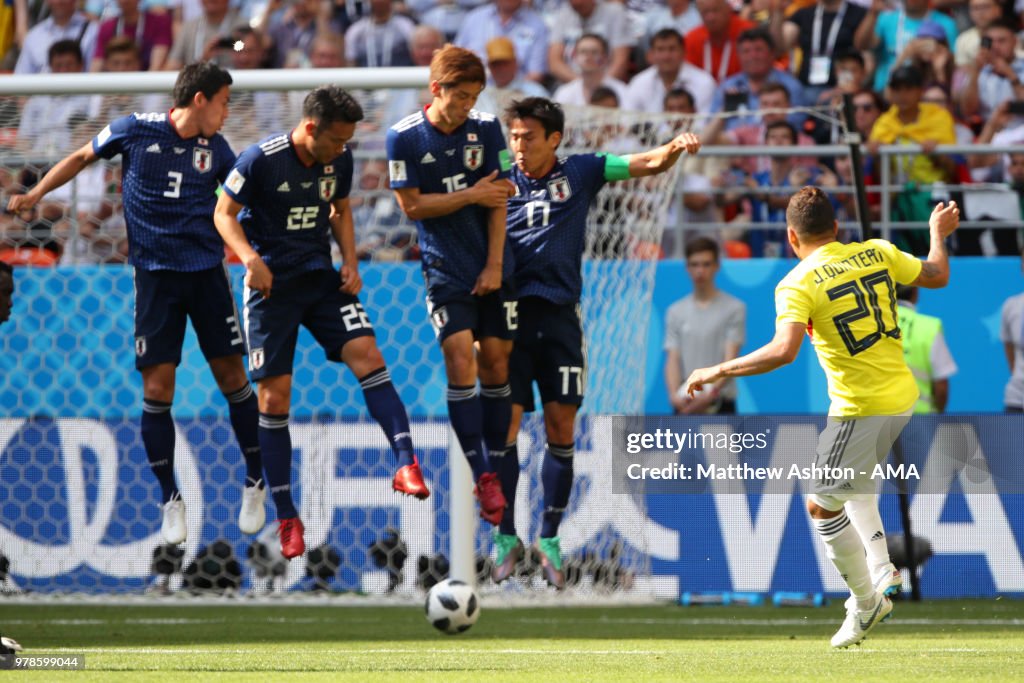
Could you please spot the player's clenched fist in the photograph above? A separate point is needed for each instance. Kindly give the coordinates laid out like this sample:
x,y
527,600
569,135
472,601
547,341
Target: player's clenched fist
x,y
491,192
258,276
688,142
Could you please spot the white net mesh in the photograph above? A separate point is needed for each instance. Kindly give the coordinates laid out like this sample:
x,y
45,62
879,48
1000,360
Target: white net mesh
x,y
79,508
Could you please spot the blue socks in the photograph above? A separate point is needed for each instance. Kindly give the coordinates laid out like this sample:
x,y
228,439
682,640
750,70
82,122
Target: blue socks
x,y
506,465
158,437
557,475
245,417
276,446
496,410
466,416
386,408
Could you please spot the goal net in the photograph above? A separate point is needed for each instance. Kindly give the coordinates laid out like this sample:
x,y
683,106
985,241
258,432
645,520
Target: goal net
x,y
80,508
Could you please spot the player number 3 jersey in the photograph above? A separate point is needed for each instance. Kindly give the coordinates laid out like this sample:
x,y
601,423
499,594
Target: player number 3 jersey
x,y
845,294
169,190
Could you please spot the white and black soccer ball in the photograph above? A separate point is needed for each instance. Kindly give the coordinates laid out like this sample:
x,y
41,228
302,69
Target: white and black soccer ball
x,y
452,606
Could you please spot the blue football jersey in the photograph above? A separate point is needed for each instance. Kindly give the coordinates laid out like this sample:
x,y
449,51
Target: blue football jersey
x,y
169,189
547,224
288,204
453,247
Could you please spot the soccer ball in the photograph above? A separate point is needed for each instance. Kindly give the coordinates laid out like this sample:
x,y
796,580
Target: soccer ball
x,y
452,606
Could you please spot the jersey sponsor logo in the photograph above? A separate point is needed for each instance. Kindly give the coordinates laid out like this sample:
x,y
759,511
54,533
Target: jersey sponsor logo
x,y
306,184
449,152
256,359
155,147
396,169
473,156
104,135
327,186
283,187
559,189
179,150
140,346
235,181
202,159
428,158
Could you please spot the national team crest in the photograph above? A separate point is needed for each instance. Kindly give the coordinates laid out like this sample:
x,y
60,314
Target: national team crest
x,y
327,187
256,359
202,159
473,156
559,190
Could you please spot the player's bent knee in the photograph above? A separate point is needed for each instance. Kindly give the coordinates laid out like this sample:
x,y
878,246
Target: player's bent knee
x,y
362,356
158,382
229,372
819,508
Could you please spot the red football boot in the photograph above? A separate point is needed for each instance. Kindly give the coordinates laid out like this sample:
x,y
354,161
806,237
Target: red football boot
x,y
492,500
290,530
409,480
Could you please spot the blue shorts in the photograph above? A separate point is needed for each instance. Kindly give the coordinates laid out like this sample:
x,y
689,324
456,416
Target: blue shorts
x,y
493,315
550,351
163,301
310,299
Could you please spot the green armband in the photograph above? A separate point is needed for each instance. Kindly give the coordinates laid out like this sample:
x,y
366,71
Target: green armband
x,y
615,167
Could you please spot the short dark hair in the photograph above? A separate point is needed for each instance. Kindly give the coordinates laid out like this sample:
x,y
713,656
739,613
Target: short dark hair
x,y
199,77
119,44
5,268
603,93
754,34
680,92
850,54
668,34
549,114
329,104
1003,23
875,96
64,47
701,244
775,86
599,38
782,124
810,212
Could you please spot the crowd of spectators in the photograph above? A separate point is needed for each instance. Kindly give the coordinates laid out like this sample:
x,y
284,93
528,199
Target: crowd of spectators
x,y
926,72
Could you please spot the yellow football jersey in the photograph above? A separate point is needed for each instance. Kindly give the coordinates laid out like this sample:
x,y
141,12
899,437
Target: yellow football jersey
x,y
845,294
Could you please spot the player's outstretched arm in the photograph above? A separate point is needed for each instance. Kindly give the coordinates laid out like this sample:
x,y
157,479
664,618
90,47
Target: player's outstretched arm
x,y
66,169
944,220
489,192
225,218
344,231
660,159
782,350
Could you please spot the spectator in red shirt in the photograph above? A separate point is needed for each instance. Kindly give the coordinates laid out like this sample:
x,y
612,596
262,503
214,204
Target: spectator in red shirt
x,y
713,46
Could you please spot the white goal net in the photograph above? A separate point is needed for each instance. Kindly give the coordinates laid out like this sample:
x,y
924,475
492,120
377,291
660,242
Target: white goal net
x,y
79,508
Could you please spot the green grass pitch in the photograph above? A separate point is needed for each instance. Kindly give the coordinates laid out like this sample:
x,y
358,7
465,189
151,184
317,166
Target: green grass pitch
x,y
962,641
